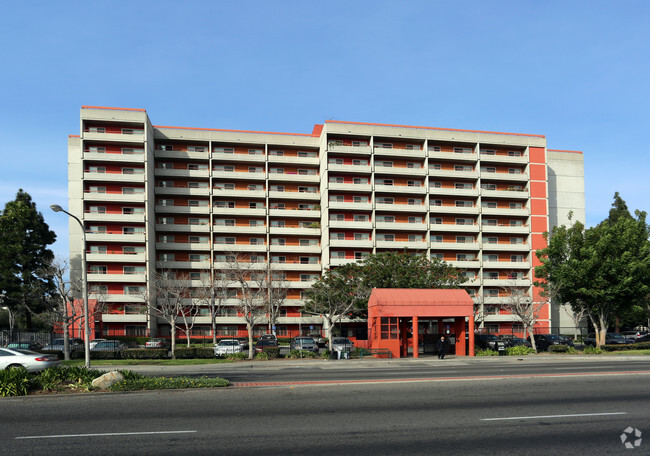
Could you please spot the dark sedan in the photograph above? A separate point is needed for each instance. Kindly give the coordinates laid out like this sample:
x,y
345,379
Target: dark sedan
x,y
263,345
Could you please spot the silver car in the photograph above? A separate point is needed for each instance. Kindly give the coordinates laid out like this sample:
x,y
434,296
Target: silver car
x,y
30,360
342,344
227,347
304,343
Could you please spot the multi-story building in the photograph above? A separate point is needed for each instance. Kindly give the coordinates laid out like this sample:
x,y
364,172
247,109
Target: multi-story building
x,y
188,199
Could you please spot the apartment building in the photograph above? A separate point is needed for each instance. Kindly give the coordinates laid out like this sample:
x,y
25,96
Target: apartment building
x,y
188,199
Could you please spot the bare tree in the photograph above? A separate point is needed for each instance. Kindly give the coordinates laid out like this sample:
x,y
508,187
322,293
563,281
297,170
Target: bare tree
x,y
520,304
213,293
166,299
251,300
275,294
576,318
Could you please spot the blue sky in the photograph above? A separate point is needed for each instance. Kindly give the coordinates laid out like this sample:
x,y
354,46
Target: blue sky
x,y
575,71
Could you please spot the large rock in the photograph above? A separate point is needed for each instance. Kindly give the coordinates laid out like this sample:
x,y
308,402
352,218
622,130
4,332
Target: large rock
x,y
107,380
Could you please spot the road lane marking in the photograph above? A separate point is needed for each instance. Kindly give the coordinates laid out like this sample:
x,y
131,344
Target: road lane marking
x,y
552,416
106,434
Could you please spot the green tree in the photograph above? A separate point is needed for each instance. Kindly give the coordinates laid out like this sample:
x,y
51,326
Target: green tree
x,y
602,270
24,257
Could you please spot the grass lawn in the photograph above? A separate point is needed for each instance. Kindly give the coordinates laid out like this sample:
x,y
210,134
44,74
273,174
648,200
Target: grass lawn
x,y
628,352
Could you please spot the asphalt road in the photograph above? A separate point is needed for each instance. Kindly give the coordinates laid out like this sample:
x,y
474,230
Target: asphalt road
x,y
547,415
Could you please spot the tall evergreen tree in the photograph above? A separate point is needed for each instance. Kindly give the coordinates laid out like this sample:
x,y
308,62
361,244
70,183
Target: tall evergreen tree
x,y
24,256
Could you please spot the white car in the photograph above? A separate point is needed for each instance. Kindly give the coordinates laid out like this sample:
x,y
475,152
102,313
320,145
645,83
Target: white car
x,y
30,360
227,347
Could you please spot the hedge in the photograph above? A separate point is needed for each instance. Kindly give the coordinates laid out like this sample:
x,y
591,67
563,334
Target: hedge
x,y
145,353
621,347
194,353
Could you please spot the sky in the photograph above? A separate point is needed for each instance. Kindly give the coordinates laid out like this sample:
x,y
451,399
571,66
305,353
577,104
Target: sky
x,y
574,71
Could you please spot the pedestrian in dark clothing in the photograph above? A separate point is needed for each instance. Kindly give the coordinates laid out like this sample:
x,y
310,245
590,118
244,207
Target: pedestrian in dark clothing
x,y
443,344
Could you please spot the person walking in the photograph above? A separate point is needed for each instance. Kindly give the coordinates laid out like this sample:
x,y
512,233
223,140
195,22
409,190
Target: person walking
x,y
443,344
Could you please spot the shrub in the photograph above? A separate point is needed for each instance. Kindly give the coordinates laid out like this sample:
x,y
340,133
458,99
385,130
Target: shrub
x,y
194,353
623,347
519,350
140,382
592,351
15,382
558,348
262,356
486,352
302,354
241,355
148,353
272,352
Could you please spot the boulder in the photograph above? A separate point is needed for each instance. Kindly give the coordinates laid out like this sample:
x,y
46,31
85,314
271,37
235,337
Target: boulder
x,y
107,380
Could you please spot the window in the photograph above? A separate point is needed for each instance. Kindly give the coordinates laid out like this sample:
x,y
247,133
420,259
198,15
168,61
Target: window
x,y
197,221
490,275
386,237
413,165
385,200
100,289
437,256
255,187
360,199
415,238
516,275
196,257
415,219
97,209
471,275
335,180
491,240
225,168
276,153
310,154
514,170
308,277
255,152
277,206
462,150
516,258
488,152
516,206
306,189
361,236
278,259
488,186
386,218
435,166
516,223
414,201
488,169
464,221
514,153
101,249
196,148
465,257
435,184
516,240
434,149
197,203
134,289
278,223
197,185
337,254
132,131
436,202
464,203
337,218
96,169
336,198
360,218
256,241
307,242
132,171
359,162
338,236
489,222
224,150
278,241
133,230
277,188
96,189
131,151
197,167
258,169
413,147
463,168
385,164
463,186
95,269
385,181
96,129
256,205
335,161
414,183
309,172
256,223
224,240
359,143
133,270
132,250
97,150
361,255
489,204
197,239
491,293
436,220
490,257
132,190
360,180
389,328
464,239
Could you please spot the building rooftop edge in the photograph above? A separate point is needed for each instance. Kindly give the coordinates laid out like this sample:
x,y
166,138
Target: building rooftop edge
x,y
117,109
566,151
235,131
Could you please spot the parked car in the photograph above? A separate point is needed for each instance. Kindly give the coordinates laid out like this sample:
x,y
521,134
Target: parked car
x,y
645,338
342,344
156,343
25,345
30,360
513,341
268,337
634,335
228,346
321,341
95,342
489,341
304,343
544,342
244,342
610,339
57,344
263,345
109,345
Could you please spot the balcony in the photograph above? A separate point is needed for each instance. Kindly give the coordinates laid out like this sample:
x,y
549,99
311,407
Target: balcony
x,y
114,177
116,257
303,196
400,189
509,194
115,158
201,265
399,171
204,210
297,231
340,149
522,177
193,246
295,177
452,174
451,191
523,160
461,264
242,193
406,153
202,173
453,209
341,261
181,154
302,213
119,298
183,191
182,227
248,158
357,169
523,212
420,245
453,228
506,264
239,229
523,247
453,156
225,247
120,137
115,197
231,211
296,266
231,175
350,225
293,160
505,229
113,217
363,188
506,282
127,278
400,207
350,206
401,226
294,248
115,237
454,245
295,284
352,243
124,318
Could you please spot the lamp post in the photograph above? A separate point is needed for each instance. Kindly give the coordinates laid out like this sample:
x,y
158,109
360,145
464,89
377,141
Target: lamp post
x,y
84,283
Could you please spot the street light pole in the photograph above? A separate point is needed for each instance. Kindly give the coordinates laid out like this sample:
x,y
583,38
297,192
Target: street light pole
x,y
84,284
